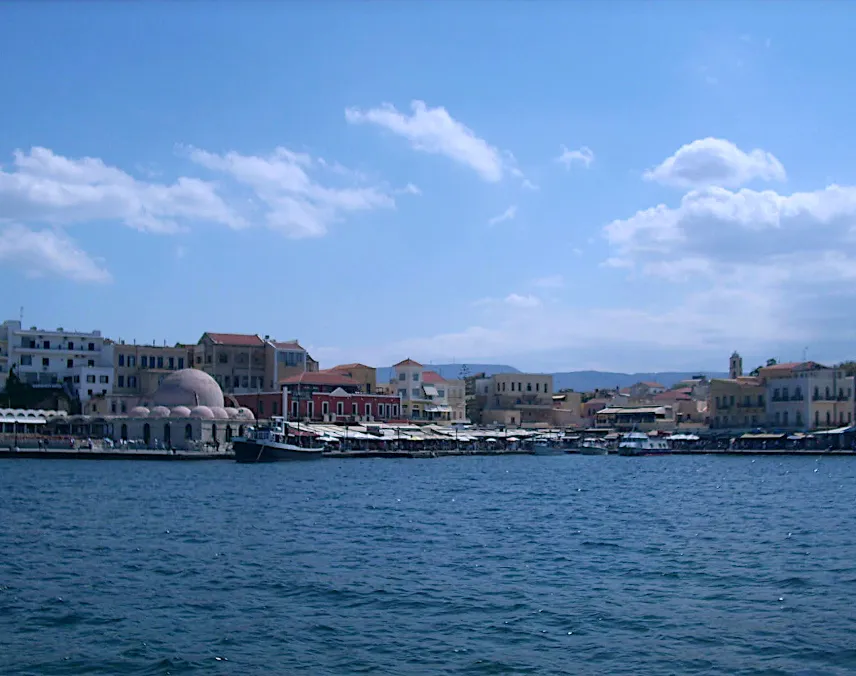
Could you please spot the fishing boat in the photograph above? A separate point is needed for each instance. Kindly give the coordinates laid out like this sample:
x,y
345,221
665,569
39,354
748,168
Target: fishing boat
x,y
269,443
639,443
547,447
593,446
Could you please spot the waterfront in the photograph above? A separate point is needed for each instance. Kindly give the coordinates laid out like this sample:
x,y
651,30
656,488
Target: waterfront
x,y
518,564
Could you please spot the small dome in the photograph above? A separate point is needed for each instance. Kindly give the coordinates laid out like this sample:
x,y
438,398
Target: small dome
x,y
219,413
138,412
245,414
231,412
180,412
201,412
159,412
189,387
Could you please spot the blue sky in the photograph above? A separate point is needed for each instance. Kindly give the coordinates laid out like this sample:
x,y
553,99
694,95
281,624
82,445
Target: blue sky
x,y
557,185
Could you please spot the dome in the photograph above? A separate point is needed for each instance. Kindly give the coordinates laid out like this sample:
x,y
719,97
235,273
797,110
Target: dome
x,y
202,412
189,387
159,412
219,413
138,412
245,414
180,412
231,412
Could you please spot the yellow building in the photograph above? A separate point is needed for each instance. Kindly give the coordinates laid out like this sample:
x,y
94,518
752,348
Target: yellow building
x,y
737,403
366,376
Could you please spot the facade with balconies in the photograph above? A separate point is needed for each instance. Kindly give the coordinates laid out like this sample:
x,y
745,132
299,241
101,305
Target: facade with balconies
x,y
808,395
81,362
737,403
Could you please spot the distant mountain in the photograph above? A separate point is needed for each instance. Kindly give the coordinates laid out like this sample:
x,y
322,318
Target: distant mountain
x,y
451,371
586,381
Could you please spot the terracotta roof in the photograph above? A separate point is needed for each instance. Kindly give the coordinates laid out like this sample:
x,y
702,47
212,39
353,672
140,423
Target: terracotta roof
x,y
234,338
793,365
345,367
672,395
328,377
432,378
648,383
407,362
286,345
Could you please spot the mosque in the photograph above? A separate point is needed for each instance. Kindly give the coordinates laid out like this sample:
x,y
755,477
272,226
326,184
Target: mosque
x,y
186,412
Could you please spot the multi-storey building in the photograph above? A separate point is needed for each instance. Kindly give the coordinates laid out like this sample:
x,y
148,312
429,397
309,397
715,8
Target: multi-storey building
x,y
737,403
807,395
4,356
81,362
519,398
425,394
365,375
140,369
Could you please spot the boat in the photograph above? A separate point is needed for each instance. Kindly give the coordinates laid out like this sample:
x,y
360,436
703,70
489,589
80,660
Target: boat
x,y
639,443
547,447
593,446
269,443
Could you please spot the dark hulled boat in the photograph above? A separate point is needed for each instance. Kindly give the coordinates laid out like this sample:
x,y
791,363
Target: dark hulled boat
x,y
269,443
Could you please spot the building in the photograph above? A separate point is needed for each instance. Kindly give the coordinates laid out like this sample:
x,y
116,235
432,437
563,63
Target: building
x,y
567,408
737,403
366,376
638,418
4,356
518,399
645,389
236,361
735,366
456,396
138,370
807,396
284,359
323,405
80,362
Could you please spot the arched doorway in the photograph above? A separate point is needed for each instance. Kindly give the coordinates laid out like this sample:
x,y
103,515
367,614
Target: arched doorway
x,y
241,431
188,431
124,432
228,433
147,434
167,434
214,432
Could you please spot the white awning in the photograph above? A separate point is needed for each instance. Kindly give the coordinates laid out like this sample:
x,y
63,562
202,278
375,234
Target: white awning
x,y
23,420
430,391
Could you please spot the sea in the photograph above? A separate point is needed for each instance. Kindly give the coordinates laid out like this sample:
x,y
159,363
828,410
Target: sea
x,y
467,565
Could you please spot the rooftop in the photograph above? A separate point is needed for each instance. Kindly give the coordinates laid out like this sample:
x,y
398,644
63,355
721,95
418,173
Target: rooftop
x,y
345,367
407,362
242,339
432,378
287,345
327,377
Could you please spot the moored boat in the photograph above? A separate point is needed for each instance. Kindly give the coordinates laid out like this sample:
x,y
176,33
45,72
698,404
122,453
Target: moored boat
x,y
639,443
269,443
547,447
592,446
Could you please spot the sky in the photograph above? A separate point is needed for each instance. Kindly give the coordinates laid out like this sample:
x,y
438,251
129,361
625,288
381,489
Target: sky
x,y
553,185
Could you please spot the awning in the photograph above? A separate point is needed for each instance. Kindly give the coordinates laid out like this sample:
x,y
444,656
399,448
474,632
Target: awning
x,y
763,436
22,420
430,391
438,409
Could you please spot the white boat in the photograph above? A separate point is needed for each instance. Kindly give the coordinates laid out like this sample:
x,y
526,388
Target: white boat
x,y
593,446
269,443
639,443
547,447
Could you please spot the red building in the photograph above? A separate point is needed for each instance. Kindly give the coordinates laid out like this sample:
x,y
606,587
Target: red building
x,y
337,405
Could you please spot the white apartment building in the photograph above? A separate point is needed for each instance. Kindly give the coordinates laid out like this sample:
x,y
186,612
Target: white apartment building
x,y
809,396
80,361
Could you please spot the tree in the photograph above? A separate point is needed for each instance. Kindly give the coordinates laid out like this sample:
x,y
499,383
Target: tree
x,y
849,367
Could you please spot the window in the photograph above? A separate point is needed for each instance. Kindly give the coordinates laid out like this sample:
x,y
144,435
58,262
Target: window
x,y
103,379
113,406
77,379
261,408
160,362
46,361
90,379
124,432
415,377
207,358
245,381
325,407
70,345
121,360
402,376
253,381
236,380
731,400
778,416
760,400
92,347
172,363
816,393
223,358
132,360
817,418
120,382
188,431
180,363
537,387
340,408
528,387
132,381
828,418
512,387
369,410
402,393
26,360
799,419
274,408
395,410
295,410
785,393
144,362
414,392
124,407
69,363
90,392
442,393
310,409
777,394
46,345
90,363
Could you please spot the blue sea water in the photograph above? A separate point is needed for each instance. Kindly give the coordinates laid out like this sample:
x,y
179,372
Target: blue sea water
x,y
508,565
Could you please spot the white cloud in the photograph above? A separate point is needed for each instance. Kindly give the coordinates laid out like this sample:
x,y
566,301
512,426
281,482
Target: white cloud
x,y
529,185
295,203
40,253
550,282
434,131
522,301
44,187
583,156
410,189
507,215
716,162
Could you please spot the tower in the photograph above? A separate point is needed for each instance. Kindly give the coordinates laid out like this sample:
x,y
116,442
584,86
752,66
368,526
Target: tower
x,y
735,366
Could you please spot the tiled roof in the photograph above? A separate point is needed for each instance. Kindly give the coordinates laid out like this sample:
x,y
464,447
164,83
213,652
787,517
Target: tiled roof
x,y
673,395
649,383
287,345
235,339
407,362
346,367
432,378
328,377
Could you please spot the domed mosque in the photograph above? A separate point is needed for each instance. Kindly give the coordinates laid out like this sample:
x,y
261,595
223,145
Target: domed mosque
x,y
187,411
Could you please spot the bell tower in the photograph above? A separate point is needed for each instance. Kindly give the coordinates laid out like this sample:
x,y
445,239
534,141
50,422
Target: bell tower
x,y
735,366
